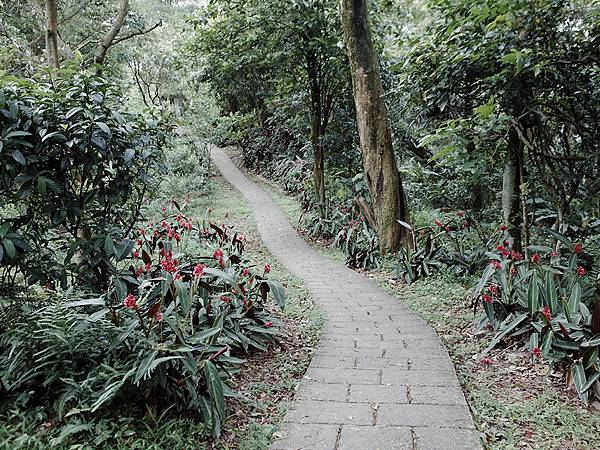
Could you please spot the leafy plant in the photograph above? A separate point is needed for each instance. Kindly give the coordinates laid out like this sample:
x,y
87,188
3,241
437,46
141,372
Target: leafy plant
x,y
167,332
75,167
547,300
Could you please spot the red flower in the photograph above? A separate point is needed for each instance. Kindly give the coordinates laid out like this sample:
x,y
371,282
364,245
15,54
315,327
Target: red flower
x,y
500,248
580,271
267,267
162,252
148,267
139,242
465,224
578,248
158,316
486,362
503,227
536,258
547,314
554,254
218,254
494,289
536,352
199,270
268,324
505,253
439,223
245,272
136,253
447,228
225,299
139,271
487,298
142,231
513,270
130,302
516,256
460,214
222,262
496,264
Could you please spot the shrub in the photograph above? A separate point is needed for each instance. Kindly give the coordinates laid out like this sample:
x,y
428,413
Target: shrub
x,y
167,332
548,299
455,243
75,168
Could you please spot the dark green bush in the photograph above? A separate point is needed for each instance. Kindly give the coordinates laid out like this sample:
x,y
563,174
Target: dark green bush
x,y
75,167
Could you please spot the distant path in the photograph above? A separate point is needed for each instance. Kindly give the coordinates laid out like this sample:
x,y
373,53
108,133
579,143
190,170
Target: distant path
x,y
380,378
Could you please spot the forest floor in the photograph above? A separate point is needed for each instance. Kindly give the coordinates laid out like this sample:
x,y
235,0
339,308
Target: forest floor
x,y
516,403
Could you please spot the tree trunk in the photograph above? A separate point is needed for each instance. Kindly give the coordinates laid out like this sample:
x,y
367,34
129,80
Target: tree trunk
x,y
316,127
379,162
511,188
52,34
110,36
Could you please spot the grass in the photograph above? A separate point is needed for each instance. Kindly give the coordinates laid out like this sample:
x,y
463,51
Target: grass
x,y
265,384
516,403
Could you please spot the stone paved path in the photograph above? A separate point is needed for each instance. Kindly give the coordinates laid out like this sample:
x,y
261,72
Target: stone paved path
x,y
380,378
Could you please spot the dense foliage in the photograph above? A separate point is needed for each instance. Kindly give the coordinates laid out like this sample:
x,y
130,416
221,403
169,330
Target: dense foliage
x,y
75,169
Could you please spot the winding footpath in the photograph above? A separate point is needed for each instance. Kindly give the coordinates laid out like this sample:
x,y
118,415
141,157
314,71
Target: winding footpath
x,y
380,378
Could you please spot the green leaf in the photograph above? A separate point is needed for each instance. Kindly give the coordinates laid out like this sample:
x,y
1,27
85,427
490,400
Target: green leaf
x,y
593,342
278,292
533,295
215,387
579,380
506,327
86,302
18,157
10,248
109,246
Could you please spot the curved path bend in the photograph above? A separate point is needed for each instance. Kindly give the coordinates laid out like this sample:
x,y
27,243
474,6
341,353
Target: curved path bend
x,y
380,378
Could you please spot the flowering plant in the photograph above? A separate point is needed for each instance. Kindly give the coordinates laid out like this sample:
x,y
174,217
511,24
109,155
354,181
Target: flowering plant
x,y
546,297
170,329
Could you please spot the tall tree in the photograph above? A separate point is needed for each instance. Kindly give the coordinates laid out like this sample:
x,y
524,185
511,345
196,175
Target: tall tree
x,y
52,34
379,161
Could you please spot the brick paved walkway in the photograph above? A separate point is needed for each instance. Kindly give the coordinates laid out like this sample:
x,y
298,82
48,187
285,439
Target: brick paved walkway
x,y
380,378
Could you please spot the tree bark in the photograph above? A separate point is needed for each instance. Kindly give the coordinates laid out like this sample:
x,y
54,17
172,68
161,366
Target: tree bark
x,y
110,36
511,188
52,34
379,162
317,127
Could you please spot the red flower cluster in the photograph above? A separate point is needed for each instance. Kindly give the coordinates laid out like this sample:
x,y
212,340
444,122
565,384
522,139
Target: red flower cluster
x,y
580,271
496,264
130,302
218,254
268,324
516,256
168,263
578,248
245,272
537,352
536,258
199,270
267,267
503,227
547,314
439,223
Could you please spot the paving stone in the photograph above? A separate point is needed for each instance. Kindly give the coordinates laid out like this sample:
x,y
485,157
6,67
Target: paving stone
x,y
418,377
340,375
333,362
378,393
323,391
375,438
433,395
410,415
296,436
369,337
380,363
305,411
443,438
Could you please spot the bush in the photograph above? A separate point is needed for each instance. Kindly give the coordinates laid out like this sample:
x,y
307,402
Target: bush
x,y
75,168
166,334
548,299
